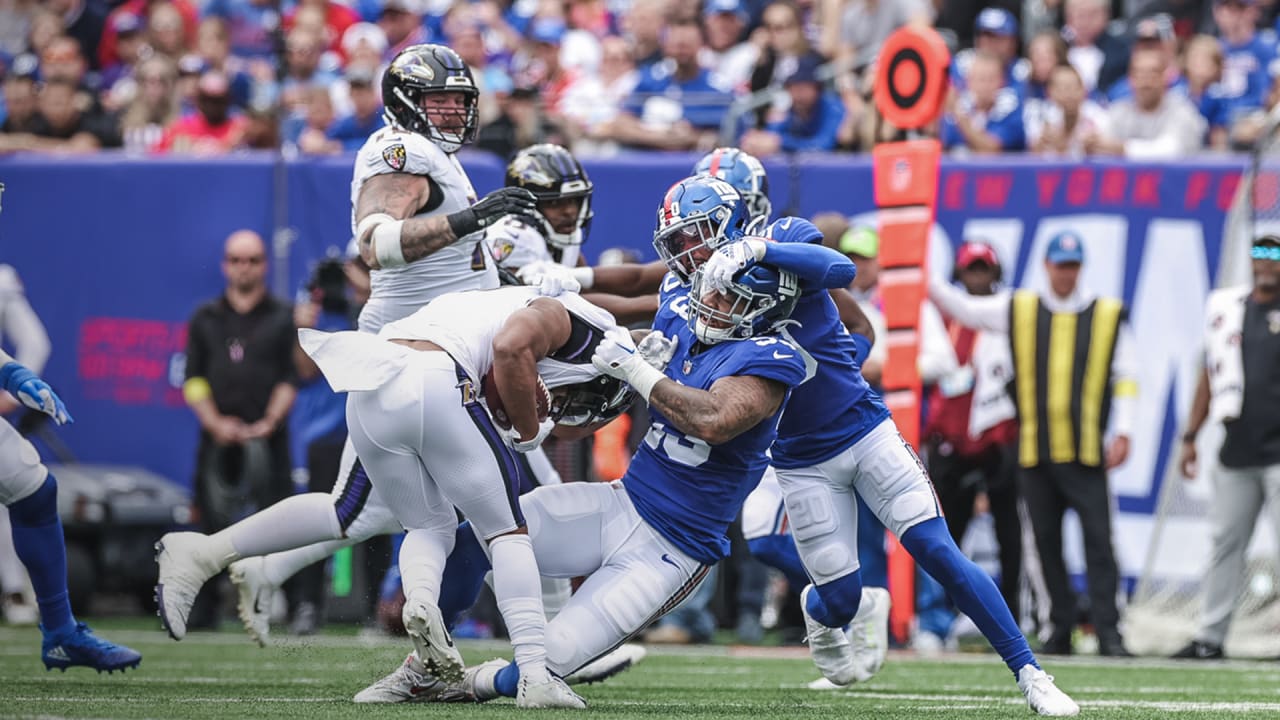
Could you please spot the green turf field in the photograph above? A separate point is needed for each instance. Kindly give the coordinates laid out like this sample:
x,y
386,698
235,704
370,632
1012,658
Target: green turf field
x,y
224,676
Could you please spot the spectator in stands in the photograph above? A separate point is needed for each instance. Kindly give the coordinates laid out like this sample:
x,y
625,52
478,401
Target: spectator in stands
x,y
1062,123
213,46
593,101
852,32
401,22
20,96
240,384
337,18
364,44
61,126
986,117
520,124
467,39
1096,53
1154,123
15,25
46,26
676,104
971,430
1203,61
1154,33
728,54
311,135
165,33
250,24
107,48
350,131
131,45
1247,56
996,32
84,22
543,68
1240,387
812,121
61,61
212,129
153,108
785,45
1045,51
190,68
1062,454
642,26
592,16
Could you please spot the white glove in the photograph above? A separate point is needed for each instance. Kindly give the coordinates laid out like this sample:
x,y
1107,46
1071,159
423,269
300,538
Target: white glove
x,y
719,269
509,228
524,446
550,278
657,349
616,356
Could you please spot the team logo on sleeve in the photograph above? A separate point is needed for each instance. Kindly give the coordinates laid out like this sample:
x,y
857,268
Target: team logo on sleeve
x,y
502,249
395,156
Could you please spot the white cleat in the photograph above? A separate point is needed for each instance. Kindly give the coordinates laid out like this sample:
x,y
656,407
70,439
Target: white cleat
x,y
255,592
1043,696
607,665
478,681
409,683
823,684
829,647
869,632
426,628
552,693
185,565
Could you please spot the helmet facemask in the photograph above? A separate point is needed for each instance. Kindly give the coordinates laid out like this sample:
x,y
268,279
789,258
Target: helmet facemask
x,y
597,400
688,242
741,311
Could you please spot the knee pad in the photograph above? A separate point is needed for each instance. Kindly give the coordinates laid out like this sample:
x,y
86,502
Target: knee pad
x,y
825,532
841,598
38,509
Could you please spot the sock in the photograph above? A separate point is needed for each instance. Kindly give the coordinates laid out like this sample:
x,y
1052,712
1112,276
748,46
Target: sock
x,y
464,573
835,603
291,523
38,540
971,589
507,681
779,552
280,566
517,586
422,558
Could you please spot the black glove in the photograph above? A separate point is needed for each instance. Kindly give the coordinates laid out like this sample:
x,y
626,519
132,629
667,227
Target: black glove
x,y
491,208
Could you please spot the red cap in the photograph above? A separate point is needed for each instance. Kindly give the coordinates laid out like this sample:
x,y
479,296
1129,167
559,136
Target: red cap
x,y
972,252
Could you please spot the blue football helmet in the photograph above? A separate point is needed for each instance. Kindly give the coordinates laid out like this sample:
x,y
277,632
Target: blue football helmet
x,y
760,299
745,173
698,215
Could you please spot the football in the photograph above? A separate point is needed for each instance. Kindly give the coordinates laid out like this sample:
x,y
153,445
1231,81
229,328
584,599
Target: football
x,y
498,410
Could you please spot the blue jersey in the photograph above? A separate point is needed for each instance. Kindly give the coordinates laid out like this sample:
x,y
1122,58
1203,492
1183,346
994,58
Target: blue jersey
x,y
834,407
685,489
1004,121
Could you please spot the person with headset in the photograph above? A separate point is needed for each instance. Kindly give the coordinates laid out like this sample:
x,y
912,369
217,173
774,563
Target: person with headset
x,y
971,426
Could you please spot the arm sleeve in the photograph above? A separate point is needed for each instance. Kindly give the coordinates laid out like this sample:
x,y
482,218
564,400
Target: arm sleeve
x,y
817,266
989,312
1124,382
862,348
20,324
937,356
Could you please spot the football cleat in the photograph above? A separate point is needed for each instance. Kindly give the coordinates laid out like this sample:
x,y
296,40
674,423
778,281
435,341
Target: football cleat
x,y
185,566
431,639
478,682
254,592
829,647
551,693
607,665
869,632
409,683
81,647
1043,696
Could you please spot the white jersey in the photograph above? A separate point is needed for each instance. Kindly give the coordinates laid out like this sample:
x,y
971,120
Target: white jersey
x,y
513,244
397,292
465,323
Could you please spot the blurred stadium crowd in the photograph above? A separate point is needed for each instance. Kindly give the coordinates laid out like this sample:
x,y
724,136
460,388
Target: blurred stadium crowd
x,y
1143,78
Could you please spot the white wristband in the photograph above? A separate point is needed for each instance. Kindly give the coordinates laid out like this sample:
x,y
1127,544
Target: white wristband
x,y
643,377
585,276
371,221
386,244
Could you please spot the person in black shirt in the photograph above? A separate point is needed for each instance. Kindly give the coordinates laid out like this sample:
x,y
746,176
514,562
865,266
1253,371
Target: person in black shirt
x,y
1241,385
240,383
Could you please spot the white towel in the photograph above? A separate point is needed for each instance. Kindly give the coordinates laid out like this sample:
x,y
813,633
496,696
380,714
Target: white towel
x,y
354,361
1224,322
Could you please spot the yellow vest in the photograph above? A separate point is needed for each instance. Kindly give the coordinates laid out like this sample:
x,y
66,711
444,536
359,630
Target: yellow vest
x,y
1062,370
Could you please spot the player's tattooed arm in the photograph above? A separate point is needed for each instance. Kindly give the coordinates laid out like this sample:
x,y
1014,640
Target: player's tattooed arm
x,y
401,195
731,407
